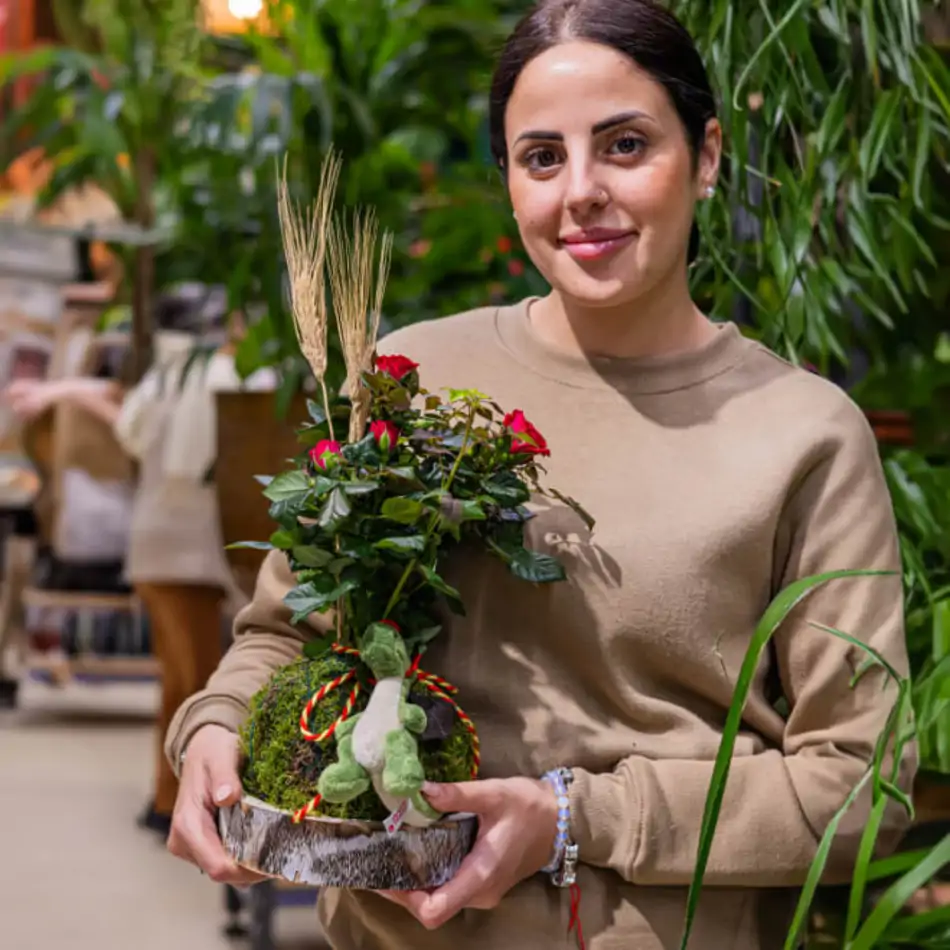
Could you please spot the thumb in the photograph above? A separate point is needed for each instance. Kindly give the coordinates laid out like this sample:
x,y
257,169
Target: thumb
x,y
478,798
224,782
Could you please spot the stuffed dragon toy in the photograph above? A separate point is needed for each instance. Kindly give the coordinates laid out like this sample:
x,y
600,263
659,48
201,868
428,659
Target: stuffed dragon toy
x,y
379,746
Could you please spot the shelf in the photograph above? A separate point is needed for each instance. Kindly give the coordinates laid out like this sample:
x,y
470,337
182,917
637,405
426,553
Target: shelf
x,y
62,669
78,600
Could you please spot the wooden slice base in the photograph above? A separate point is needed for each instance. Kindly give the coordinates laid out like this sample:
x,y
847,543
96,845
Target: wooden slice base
x,y
328,852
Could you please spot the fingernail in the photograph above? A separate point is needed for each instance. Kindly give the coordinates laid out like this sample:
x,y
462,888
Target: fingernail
x,y
431,788
222,794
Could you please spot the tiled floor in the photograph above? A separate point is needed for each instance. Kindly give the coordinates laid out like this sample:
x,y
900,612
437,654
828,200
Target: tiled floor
x,y
75,871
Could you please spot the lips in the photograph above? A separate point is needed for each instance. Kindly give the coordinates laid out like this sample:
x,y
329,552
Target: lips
x,y
596,243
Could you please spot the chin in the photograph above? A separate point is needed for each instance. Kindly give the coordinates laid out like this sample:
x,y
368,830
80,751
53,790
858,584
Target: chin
x,y
599,293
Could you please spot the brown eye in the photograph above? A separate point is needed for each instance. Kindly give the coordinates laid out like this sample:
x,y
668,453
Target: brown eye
x,y
541,159
628,145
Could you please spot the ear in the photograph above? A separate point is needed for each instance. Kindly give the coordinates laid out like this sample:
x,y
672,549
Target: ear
x,y
710,158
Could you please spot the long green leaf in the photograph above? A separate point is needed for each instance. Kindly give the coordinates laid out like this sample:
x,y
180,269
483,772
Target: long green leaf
x,y
914,929
776,613
865,856
817,869
896,864
773,35
897,895
875,655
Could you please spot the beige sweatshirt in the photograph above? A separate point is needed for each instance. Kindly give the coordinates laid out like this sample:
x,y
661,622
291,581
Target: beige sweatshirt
x,y
716,478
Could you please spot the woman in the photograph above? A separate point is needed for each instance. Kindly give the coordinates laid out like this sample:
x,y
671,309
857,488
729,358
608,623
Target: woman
x,y
717,473
176,559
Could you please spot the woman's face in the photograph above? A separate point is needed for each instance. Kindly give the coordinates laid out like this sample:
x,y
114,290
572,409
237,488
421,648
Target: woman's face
x,y
600,174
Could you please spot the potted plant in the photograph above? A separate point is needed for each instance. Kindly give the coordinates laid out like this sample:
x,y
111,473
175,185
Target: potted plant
x,y
391,479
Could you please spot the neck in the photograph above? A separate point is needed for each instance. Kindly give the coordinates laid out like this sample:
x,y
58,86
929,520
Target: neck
x,y
664,322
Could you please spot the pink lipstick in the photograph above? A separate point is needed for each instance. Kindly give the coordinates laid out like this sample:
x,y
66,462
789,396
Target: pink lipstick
x,y
593,244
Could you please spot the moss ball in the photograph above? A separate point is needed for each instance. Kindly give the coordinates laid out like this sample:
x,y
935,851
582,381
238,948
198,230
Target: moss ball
x,y
282,768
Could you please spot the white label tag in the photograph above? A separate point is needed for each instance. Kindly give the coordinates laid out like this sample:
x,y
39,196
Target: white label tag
x,y
395,820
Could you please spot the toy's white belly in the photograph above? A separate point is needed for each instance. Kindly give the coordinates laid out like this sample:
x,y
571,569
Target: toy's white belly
x,y
380,717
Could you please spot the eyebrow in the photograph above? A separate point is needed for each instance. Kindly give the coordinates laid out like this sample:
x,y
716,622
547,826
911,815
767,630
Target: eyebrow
x,y
602,126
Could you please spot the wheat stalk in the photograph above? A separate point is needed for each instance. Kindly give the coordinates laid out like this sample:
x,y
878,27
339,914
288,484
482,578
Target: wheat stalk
x,y
352,252
304,235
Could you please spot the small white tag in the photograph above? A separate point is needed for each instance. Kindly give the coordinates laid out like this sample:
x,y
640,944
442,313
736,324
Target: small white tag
x,y
395,820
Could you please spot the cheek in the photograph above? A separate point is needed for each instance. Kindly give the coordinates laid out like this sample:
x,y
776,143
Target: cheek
x,y
537,205
658,195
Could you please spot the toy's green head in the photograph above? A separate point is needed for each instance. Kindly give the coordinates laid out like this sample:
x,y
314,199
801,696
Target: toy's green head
x,y
384,651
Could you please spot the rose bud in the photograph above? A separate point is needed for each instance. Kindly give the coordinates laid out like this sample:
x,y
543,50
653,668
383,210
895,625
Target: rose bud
x,y
385,433
323,452
398,367
525,438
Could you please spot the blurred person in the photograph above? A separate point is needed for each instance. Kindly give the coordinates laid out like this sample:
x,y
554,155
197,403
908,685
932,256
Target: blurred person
x,y
175,559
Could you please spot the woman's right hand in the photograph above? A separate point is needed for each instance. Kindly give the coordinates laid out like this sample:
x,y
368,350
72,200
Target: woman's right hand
x,y
209,781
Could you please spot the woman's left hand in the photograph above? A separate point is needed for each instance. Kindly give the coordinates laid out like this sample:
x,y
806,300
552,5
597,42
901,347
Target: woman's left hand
x,y
517,820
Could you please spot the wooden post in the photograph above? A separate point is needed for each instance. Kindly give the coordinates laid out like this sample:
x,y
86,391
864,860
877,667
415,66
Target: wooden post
x,y
143,281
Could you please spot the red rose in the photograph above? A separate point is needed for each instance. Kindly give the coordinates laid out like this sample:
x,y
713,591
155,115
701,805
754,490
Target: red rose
x,y
526,440
385,434
396,366
323,451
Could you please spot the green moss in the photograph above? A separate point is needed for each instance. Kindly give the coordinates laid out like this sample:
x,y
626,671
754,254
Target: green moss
x,y
282,768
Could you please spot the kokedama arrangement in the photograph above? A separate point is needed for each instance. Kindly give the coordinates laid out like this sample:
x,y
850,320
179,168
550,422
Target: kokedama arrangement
x,y
339,744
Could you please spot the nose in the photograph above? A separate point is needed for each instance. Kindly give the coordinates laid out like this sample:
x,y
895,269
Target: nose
x,y
585,193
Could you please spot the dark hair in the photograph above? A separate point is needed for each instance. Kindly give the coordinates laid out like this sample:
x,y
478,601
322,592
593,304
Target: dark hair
x,y
641,29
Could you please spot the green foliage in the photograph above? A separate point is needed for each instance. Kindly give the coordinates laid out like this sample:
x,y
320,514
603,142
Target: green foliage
x,y
367,525
771,620
885,925
921,494
282,768
122,91
830,204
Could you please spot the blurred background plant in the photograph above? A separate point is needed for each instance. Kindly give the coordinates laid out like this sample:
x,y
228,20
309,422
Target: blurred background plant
x,y
829,238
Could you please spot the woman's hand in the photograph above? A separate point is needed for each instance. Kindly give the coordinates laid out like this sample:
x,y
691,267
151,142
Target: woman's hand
x,y
517,828
209,780
29,398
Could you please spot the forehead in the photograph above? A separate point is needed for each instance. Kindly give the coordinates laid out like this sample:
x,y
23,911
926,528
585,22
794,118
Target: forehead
x,y
580,83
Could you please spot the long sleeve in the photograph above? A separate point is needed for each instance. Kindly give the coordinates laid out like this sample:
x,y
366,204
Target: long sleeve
x,y
264,641
643,820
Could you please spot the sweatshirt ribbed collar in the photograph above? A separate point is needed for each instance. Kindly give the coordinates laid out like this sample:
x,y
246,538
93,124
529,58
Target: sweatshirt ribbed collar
x,y
643,375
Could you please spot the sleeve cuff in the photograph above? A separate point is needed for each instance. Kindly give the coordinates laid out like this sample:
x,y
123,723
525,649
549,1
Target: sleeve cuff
x,y
192,716
607,819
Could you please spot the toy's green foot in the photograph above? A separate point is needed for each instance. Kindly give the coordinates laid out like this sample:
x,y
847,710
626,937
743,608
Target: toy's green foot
x,y
342,783
403,775
403,784
424,808
345,779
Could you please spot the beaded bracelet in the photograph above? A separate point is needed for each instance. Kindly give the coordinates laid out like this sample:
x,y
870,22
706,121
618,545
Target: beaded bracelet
x,y
563,864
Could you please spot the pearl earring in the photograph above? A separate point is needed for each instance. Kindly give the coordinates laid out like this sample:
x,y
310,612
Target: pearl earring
x,y
710,191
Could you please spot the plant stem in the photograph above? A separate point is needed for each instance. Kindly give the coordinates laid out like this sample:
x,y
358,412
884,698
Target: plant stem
x,y
465,440
326,407
434,520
